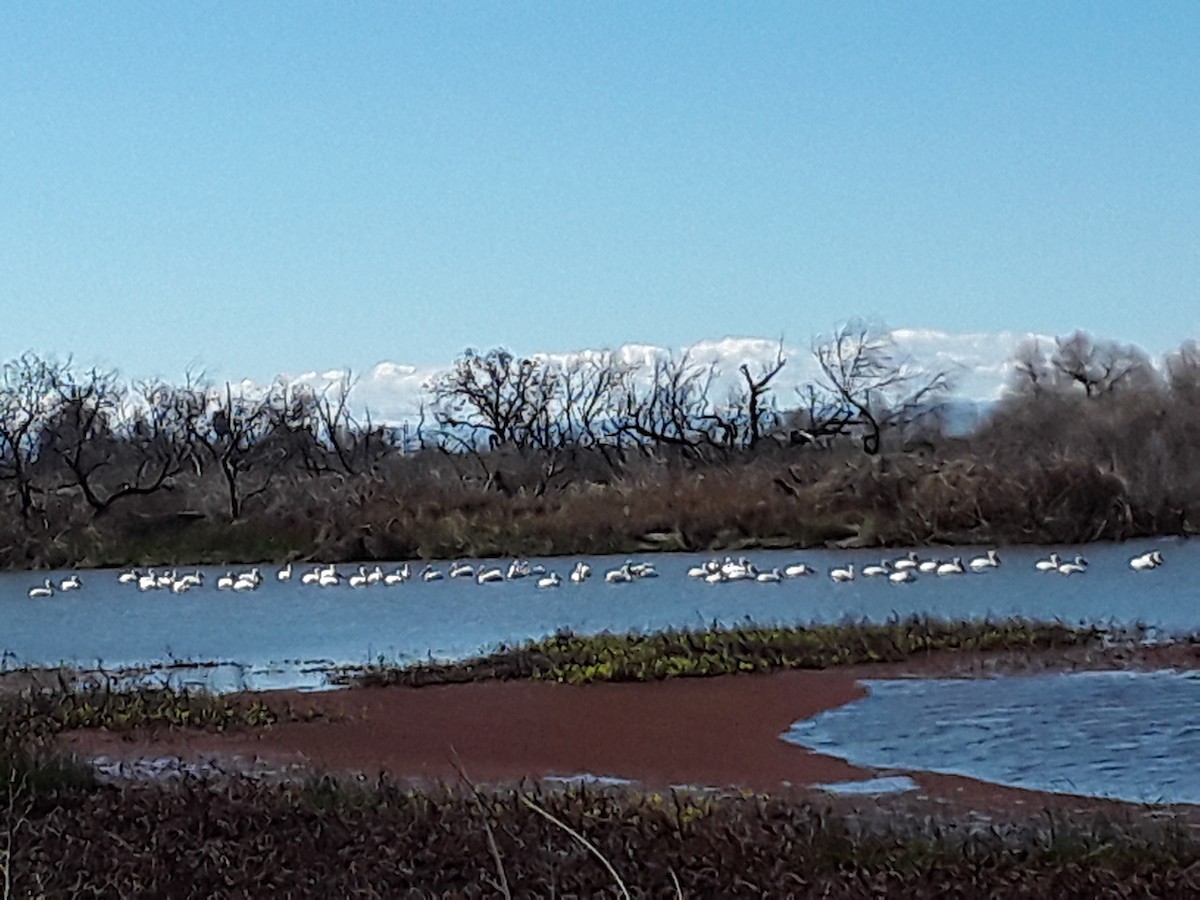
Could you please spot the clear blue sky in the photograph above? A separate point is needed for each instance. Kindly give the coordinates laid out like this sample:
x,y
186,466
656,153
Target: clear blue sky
x,y
265,188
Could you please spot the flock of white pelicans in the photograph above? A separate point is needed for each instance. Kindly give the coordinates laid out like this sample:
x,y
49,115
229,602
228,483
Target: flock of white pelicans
x,y
903,570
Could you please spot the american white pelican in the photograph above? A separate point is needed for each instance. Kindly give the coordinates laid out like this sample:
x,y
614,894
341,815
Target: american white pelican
x,y
285,574
1079,564
311,577
796,570
489,574
619,575
1151,559
580,573
360,578
902,576
518,568
129,576
462,570
46,589
908,561
704,569
70,583
643,570
842,574
375,576
954,567
147,582
429,573
774,576
165,580
1049,564
715,577
182,586
549,581
928,566
253,575
243,583
875,571
329,577
226,582
979,563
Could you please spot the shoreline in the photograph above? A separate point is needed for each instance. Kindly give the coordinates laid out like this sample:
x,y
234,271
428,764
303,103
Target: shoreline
x,y
719,733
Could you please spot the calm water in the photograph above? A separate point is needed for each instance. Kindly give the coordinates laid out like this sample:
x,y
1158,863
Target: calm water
x,y
1131,736
266,634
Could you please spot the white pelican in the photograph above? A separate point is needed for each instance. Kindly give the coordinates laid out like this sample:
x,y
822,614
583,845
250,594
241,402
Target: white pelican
x,y
399,576
875,571
773,576
147,582
979,563
359,578
618,576
954,567
129,576
1079,564
329,577
165,580
311,577
715,577
429,573
704,569
70,583
580,573
928,566
285,574
908,561
643,570
253,575
518,568
796,570
902,576
46,589
1050,564
1151,559
846,574
182,586
225,582
489,574
375,576
243,583
462,570
549,581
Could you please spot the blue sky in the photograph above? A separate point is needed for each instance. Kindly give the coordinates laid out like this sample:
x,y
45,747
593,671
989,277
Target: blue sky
x,y
255,189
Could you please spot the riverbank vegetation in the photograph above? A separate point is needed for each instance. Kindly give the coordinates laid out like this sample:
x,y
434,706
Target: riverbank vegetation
x,y
580,659
201,837
522,457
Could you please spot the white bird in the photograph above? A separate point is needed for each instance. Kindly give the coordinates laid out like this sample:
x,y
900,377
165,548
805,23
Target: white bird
x,y
1070,568
875,571
991,561
715,577
549,581
771,577
618,576
46,589
928,566
487,575
129,576
1151,559
1050,564
843,574
329,577
244,583
902,576
429,573
375,576
226,582
182,586
253,575
359,578
147,582
70,583
954,567
796,570
462,570
704,569
581,572
908,561
643,570
399,576
518,568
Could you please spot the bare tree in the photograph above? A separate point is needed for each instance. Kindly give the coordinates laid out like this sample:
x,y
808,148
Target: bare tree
x,y
111,450
868,386
673,408
758,386
29,400
492,399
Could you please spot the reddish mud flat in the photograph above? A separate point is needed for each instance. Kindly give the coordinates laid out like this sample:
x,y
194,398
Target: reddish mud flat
x,y
704,732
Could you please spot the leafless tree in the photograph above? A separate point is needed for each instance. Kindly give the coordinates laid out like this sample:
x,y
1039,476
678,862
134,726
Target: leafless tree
x,y
672,409
491,399
29,400
110,449
758,387
867,386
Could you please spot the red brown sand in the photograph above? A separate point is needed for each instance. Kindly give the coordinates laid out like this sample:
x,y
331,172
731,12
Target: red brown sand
x,y
711,732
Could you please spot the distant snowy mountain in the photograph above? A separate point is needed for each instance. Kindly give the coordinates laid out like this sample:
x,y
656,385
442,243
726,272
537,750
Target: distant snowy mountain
x,y
978,364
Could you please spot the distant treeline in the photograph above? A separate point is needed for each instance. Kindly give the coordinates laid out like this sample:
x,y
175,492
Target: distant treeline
x,y
521,456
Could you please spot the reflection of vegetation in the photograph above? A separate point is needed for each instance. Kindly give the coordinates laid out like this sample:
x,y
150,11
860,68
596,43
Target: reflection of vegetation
x,y
539,456
577,659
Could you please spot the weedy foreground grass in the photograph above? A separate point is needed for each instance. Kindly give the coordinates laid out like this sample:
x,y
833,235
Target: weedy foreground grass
x,y
198,838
